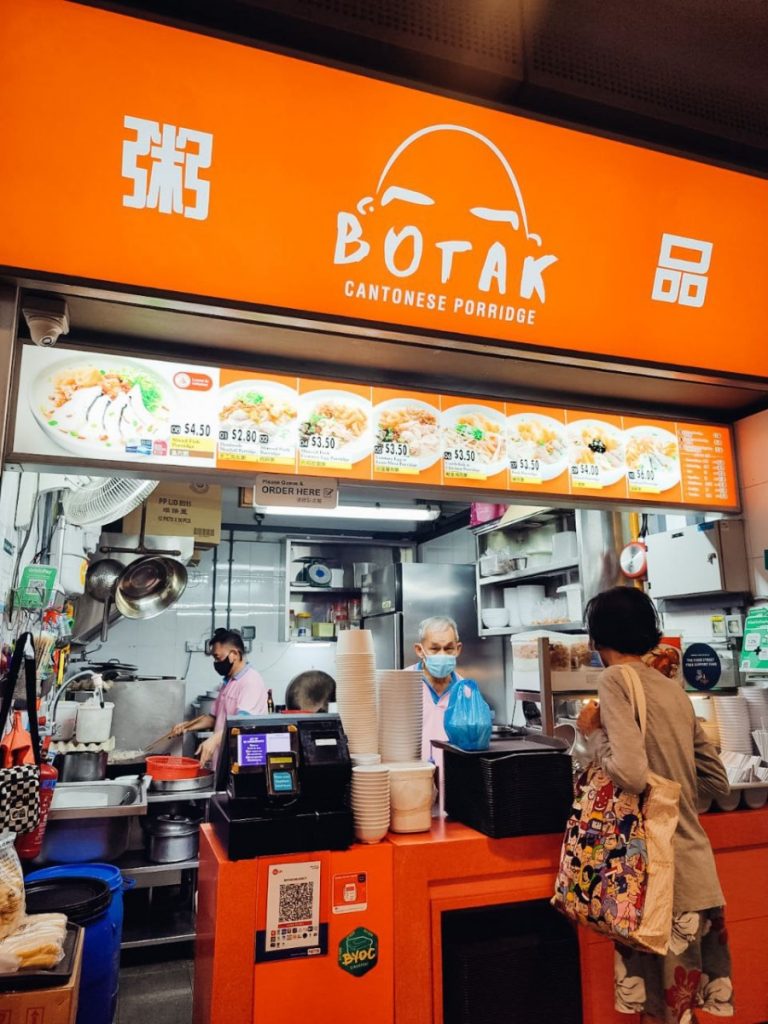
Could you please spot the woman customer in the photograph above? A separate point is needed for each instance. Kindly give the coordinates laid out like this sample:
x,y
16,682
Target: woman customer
x,y
696,972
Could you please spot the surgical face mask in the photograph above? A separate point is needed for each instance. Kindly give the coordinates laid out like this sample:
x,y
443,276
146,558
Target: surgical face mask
x,y
222,667
440,665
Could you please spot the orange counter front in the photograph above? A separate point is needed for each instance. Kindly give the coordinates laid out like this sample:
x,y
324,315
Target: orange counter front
x,y
411,881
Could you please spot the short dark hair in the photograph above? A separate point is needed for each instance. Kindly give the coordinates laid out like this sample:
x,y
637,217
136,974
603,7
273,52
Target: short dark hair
x,y
230,637
310,691
624,619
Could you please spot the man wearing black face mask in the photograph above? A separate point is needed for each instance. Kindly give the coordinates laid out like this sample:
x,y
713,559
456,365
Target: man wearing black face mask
x,y
242,693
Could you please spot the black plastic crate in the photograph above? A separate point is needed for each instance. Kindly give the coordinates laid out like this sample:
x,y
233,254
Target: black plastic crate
x,y
517,787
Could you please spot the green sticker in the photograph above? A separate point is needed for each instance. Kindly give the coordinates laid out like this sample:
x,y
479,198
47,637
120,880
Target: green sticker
x,y
36,586
359,952
754,650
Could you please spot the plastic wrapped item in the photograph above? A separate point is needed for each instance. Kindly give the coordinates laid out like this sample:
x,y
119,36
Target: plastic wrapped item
x,y
37,943
468,719
12,907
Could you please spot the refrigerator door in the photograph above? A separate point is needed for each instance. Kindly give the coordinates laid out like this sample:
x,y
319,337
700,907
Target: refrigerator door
x,y
386,631
382,594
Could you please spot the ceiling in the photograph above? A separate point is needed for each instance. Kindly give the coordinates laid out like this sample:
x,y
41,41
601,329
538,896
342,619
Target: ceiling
x,y
687,75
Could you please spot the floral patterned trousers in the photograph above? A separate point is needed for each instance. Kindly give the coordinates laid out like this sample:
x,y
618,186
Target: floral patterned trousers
x,y
695,973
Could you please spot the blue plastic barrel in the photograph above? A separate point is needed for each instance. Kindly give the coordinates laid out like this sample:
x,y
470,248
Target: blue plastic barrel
x,y
65,889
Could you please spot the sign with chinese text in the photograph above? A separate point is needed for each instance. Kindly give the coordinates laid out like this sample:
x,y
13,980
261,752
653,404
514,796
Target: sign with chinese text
x,y
75,407
352,198
294,490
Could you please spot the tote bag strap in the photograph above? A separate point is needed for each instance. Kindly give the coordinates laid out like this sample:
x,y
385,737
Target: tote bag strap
x,y
636,696
23,651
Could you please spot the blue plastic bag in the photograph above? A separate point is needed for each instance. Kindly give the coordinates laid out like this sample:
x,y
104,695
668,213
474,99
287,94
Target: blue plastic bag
x,y
468,717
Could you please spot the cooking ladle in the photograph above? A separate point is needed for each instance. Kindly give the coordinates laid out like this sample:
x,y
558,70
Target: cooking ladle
x,y
100,582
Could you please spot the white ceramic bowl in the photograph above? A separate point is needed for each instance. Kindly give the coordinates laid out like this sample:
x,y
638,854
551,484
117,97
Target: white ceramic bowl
x,y
495,618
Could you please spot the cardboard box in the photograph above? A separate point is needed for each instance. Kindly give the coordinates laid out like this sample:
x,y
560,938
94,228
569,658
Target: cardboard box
x,y
180,510
45,1005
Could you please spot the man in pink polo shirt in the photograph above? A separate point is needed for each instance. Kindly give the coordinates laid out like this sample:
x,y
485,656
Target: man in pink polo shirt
x,y
242,693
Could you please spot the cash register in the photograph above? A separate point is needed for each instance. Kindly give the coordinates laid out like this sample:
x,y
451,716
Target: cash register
x,y
282,785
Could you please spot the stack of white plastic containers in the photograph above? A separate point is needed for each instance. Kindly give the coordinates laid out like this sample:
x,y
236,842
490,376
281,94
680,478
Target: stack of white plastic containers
x,y
733,723
400,727
356,690
382,715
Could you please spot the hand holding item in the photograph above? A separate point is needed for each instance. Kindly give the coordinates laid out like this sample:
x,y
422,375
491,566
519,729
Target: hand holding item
x,y
589,718
207,749
179,729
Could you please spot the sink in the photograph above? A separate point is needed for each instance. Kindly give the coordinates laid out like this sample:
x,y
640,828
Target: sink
x,y
90,821
117,798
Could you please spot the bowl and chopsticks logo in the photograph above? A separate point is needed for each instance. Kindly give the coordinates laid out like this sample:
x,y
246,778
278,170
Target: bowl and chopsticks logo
x,y
359,952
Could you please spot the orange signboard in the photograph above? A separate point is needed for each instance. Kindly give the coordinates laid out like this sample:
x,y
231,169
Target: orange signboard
x,y
286,184
84,406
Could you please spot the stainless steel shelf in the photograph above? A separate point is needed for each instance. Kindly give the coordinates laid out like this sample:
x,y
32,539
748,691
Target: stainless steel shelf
x,y
135,862
540,571
184,794
325,590
175,927
553,627
535,696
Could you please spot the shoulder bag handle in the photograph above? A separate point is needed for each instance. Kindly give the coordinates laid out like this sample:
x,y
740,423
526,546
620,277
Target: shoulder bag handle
x,y
23,651
636,696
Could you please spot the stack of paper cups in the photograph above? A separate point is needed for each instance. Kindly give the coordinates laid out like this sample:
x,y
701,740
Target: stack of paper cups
x,y
356,690
370,802
400,715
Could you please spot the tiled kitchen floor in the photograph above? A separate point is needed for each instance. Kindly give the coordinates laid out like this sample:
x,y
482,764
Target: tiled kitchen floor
x,y
156,992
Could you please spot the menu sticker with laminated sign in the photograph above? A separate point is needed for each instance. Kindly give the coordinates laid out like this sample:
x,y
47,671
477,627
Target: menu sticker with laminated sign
x,y
706,455
652,455
596,454
335,429
474,442
537,450
407,439
754,650
292,928
359,952
193,425
257,420
350,893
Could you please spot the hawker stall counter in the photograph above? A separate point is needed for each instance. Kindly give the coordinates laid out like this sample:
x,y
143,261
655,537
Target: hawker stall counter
x,y
382,907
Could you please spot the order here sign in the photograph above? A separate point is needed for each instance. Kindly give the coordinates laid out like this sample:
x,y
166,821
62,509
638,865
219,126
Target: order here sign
x,y
293,186
293,490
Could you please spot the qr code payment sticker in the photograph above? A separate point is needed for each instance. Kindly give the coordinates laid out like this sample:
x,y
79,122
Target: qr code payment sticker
x,y
296,901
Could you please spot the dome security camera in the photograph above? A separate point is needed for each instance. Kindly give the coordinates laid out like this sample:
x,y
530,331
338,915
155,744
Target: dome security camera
x,y
47,319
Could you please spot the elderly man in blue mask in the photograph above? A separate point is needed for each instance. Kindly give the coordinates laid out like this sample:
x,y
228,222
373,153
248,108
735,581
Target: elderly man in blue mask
x,y
438,649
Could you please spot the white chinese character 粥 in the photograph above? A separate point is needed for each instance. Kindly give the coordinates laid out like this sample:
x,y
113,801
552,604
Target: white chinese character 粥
x,y
173,159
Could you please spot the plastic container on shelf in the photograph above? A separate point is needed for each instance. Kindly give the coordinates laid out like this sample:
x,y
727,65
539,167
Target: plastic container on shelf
x,y
94,723
565,547
573,597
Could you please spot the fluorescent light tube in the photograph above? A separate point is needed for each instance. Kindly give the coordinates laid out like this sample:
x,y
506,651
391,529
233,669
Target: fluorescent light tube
x,y
420,513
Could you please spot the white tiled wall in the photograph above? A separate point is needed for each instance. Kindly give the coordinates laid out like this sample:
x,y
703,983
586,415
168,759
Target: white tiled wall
x,y
456,548
156,645
752,448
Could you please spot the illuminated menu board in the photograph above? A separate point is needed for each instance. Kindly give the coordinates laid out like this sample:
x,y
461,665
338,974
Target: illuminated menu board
x,y
148,412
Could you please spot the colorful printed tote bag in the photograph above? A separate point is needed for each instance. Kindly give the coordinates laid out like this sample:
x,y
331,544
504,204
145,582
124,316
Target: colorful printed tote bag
x,y
616,872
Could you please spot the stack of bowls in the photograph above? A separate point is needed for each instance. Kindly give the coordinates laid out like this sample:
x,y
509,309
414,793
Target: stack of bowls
x,y
356,690
370,802
757,705
732,714
400,714
412,793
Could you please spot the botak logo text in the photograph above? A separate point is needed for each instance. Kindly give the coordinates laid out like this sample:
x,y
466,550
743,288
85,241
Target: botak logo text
x,y
501,267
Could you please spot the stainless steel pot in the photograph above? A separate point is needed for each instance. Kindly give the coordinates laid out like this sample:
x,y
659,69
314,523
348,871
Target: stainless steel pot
x,y
182,785
149,585
206,705
172,838
81,766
